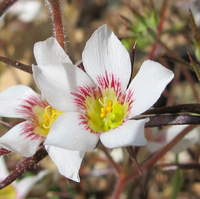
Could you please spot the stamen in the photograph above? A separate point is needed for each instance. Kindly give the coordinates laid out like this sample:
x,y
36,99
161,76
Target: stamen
x,y
103,103
47,127
103,113
50,117
103,110
109,109
46,114
110,103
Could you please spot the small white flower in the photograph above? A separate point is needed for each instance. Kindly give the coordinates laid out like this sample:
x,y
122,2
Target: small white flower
x,y
22,102
97,104
159,140
17,190
27,10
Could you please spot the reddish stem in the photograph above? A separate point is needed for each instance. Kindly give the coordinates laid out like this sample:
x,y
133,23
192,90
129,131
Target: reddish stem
x,y
151,162
21,168
159,31
4,5
56,14
112,162
119,188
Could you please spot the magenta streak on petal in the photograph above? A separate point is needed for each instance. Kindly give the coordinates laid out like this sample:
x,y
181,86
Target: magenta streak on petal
x,y
81,94
28,130
27,106
4,151
129,99
110,81
79,98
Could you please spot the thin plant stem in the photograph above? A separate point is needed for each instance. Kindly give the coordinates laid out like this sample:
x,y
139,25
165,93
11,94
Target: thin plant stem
x,y
173,166
152,161
119,188
166,120
112,162
21,168
175,181
56,15
4,5
190,108
159,31
17,64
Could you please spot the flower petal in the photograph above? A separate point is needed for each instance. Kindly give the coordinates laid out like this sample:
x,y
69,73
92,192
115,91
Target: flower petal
x,y
57,82
25,185
3,169
105,53
68,132
191,138
67,161
170,133
50,52
12,99
17,141
153,146
147,86
129,133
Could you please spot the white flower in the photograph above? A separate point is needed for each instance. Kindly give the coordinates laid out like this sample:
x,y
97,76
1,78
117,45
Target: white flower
x,y
27,10
22,102
17,190
159,140
97,104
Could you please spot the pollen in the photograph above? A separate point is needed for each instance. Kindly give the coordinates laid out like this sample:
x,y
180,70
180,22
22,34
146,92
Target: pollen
x,y
103,113
107,108
110,103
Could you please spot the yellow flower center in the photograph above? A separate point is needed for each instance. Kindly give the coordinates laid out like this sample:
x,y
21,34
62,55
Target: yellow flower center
x,y
105,113
8,192
46,117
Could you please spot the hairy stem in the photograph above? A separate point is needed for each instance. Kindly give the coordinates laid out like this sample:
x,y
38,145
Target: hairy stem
x,y
21,168
56,15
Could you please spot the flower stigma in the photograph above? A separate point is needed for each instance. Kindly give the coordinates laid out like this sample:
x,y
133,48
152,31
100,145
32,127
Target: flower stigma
x,y
50,116
106,112
46,116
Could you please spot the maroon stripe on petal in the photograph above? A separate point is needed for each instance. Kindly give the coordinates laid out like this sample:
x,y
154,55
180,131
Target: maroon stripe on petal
x,y
4,151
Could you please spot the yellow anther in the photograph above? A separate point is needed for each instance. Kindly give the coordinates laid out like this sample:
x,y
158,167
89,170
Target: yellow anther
x,y
103,115
103,110
109,109
110,103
